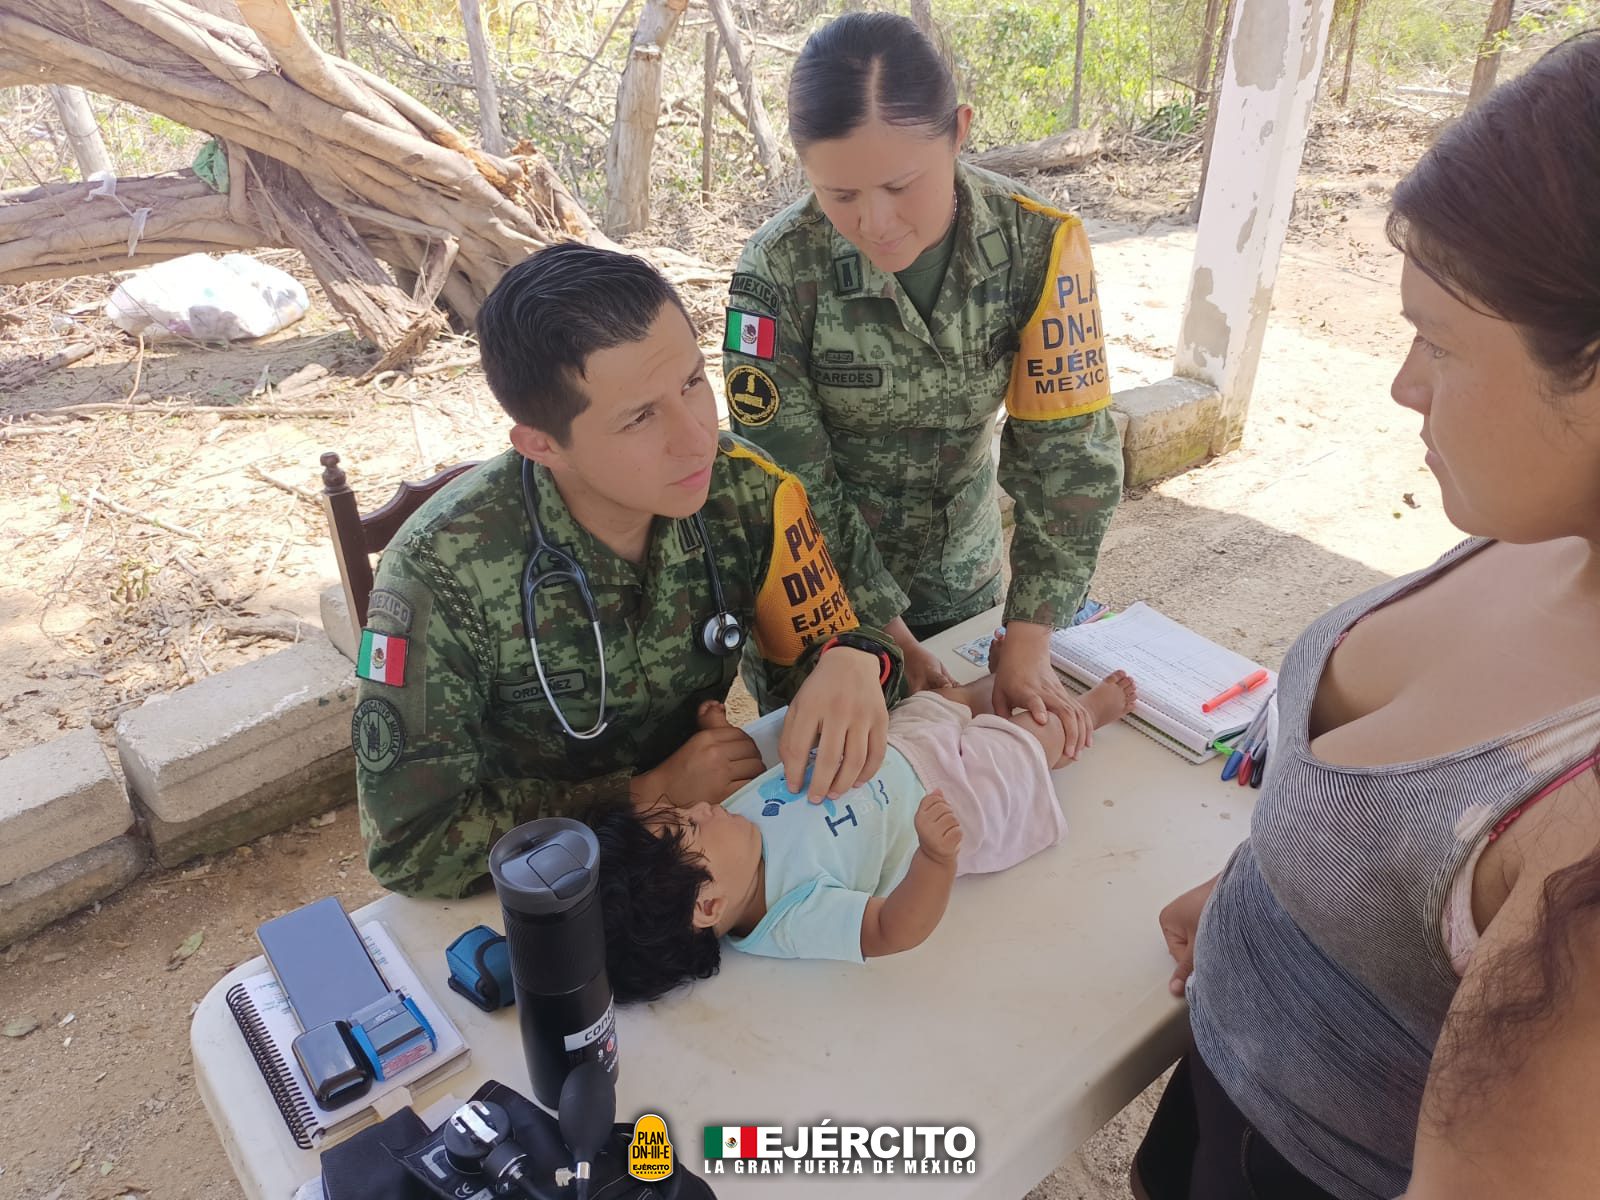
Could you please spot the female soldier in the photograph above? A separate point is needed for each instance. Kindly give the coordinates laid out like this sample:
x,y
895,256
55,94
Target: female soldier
x,y
876,326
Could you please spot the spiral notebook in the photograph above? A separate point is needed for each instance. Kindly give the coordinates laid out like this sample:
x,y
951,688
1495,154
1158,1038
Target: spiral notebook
x,y
1176,671
269,1027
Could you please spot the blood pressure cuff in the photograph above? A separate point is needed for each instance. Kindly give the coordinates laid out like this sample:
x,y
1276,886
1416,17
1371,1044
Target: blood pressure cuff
x,y
363,1166
480,968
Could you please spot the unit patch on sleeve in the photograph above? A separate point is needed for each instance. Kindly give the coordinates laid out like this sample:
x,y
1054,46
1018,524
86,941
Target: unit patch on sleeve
x,y
392,605
377,735
755,288
752,396
752,334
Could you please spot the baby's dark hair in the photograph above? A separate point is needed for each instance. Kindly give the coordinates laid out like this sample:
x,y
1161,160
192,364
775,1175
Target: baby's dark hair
x,y
648,885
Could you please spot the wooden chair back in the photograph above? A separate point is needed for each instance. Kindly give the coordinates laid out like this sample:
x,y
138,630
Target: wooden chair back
x,y
357,538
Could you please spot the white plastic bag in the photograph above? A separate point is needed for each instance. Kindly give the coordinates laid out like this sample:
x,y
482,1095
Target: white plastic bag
x,y
207,299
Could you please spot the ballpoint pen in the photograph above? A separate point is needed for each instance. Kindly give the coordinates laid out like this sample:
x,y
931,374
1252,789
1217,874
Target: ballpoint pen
x,y
1236,752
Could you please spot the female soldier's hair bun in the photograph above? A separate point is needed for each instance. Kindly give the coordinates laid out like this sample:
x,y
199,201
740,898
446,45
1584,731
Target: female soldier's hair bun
x,y
864,62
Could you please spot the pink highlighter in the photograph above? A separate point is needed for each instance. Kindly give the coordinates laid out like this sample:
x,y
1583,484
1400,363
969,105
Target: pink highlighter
x,y
1248,684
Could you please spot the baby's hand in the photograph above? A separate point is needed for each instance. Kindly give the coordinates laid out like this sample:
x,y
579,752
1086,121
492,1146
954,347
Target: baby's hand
x,y
938,830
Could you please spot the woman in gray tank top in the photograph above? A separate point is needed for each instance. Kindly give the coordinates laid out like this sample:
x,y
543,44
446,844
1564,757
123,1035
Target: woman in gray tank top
x,y
1395,983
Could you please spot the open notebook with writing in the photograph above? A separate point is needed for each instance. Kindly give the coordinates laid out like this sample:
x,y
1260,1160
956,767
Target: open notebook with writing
x,y
269,1027
1176,671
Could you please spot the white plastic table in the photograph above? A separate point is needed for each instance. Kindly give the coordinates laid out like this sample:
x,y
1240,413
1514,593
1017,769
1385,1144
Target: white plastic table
x,y
1036,1011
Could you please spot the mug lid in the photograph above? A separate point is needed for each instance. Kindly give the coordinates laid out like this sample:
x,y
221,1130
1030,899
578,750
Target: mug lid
x,y
546,866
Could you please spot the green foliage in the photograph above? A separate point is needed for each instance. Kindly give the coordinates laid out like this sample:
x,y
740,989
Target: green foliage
x,y
1016,60
1173,120
1407,42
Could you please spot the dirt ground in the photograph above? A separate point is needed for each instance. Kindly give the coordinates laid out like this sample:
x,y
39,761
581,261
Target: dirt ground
x,y
101,606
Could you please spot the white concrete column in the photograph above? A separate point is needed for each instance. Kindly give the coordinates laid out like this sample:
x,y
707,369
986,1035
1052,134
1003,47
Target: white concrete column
x,y
1262,116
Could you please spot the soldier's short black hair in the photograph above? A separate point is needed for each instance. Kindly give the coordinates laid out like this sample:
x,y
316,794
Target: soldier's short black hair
x,y
549,313
864,62
649,881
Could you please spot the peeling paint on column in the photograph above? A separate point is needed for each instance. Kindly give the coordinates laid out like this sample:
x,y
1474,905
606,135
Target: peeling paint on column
x,y
1206,330
1258,45
1262,116
1311,45
1244,233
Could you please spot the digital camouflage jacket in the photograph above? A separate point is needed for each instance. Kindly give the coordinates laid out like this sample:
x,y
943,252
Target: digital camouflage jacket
x,y
460,744
889,420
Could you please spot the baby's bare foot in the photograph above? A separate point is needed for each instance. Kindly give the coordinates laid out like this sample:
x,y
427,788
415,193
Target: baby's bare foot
x,y
1111,699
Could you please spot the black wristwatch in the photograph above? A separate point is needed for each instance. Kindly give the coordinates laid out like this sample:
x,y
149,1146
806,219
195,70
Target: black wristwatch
x,y
857,641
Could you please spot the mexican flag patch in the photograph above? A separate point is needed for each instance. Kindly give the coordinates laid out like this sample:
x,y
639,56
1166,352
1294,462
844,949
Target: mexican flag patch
x,y
751,334
382,658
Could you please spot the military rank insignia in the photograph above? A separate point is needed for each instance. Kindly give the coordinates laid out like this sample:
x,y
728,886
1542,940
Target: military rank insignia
x,y
847,273
752,334
752,396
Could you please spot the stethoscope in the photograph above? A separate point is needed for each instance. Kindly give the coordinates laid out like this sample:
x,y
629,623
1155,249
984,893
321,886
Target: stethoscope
x,y
721,635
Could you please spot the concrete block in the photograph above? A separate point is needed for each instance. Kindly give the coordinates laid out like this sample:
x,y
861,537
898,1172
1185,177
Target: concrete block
x,y
57,800
1170,427
1120,420
32,902
244,752
336,623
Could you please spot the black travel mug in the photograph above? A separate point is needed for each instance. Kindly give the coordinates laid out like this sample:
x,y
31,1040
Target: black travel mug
x,y
545,874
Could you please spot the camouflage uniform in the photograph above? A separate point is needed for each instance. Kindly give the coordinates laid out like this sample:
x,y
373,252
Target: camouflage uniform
x,y
465,745
889,420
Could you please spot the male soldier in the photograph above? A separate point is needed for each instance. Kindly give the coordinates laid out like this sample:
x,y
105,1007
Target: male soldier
x,y
558,627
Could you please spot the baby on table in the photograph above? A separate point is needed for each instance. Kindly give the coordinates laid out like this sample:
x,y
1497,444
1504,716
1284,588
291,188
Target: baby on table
x,y
961,791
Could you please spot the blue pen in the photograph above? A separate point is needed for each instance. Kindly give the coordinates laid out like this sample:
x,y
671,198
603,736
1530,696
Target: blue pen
x,y
1231,767
1237,751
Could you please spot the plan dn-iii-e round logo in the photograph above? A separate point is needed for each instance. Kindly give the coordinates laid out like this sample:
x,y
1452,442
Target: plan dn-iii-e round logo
x,y
377,734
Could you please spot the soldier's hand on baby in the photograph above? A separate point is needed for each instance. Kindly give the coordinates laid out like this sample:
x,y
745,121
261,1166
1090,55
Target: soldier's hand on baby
x,y
840,710
923,670
938,828
710,766
1024,678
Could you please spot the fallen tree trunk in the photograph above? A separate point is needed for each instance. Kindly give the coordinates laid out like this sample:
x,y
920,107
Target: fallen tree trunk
x,y
1054,153
322,156
61,230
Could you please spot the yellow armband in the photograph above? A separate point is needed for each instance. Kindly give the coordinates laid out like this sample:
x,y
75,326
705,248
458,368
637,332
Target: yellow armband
x,y
1060,367
802,599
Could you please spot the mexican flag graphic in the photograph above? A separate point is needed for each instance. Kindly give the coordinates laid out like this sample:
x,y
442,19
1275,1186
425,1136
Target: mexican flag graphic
x,y
751,334
733,1141
382,659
